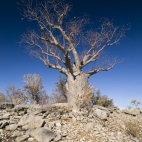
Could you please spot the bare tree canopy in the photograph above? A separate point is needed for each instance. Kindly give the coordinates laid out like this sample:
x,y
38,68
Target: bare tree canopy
x,y
65,44
58,38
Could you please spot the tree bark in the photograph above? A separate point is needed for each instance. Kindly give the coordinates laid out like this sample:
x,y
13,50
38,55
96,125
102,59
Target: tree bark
x,y
76,88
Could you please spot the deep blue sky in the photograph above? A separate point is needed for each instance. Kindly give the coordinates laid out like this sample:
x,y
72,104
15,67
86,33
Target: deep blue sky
x,y
123,83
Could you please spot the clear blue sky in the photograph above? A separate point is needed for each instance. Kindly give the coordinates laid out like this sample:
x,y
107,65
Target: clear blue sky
x,y
123,83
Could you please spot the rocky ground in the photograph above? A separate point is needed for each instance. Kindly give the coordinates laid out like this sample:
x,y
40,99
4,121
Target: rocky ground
x,y
57,123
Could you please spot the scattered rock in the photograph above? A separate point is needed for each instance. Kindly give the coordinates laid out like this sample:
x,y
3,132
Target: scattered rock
x,y
57,123
42,134
11,127
30,121
101,114
22,138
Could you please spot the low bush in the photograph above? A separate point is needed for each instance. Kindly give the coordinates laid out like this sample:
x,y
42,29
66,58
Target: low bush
x,y
133,127
3,97
85,100
102,100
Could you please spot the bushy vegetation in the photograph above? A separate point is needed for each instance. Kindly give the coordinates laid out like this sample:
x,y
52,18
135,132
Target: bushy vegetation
x,y
102,100
134,105
133,127
90,97
34,90
58,94
85,100
3,97
16,95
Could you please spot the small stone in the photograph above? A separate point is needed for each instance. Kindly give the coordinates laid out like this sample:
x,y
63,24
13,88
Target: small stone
x,y
31,139
74,119
89,127
17,117
16,133
22,138
58,137
11,127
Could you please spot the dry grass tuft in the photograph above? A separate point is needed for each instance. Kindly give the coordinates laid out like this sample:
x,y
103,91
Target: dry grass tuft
x,y
133,127
86,98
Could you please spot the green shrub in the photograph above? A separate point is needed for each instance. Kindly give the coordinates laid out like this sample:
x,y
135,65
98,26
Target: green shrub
x,y
58,94
102,100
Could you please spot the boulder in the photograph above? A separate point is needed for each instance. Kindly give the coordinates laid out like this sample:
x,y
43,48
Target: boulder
x,y
101,114
43,134
22,138
30,121
11,127
21,107
17,133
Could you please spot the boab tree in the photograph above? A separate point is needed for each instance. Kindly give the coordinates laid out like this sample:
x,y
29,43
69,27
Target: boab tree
x,y
63,43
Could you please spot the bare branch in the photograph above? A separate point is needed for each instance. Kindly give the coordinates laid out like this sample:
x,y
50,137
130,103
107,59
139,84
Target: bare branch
x,y
60,37
107,65
98,41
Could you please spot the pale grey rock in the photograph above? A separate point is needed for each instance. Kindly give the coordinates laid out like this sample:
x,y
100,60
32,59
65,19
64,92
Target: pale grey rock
x,y
17,133
22,138
17,117
89,126
51,125
22,113
57,123
11,127
60,120
12,122
57,138
100,114
37,112
74,119
43,134
21,107
61,105
6,115
30,139
31,121
100,107
1,130
98,127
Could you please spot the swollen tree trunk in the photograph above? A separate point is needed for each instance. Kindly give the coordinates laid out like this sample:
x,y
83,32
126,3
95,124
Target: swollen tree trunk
x,y
77,90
